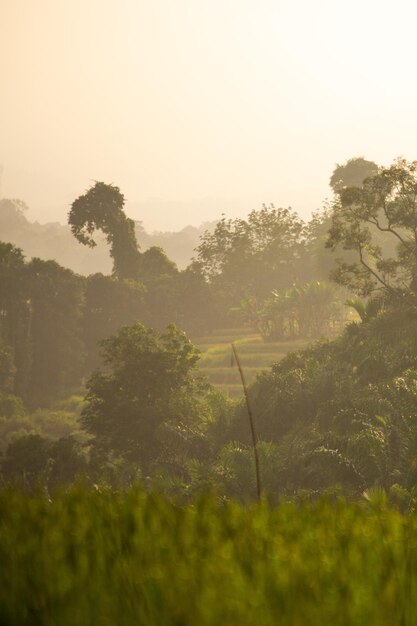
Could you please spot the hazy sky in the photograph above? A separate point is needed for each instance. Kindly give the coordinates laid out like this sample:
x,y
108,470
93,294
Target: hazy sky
x,y
194,107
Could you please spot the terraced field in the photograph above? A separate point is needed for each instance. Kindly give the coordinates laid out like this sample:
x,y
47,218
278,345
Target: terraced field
x,y
255,355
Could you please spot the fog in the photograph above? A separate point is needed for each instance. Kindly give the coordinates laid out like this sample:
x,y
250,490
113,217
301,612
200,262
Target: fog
x,y
194,107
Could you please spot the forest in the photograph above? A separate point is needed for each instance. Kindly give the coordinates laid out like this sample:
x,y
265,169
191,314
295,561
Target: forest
x,y
130,443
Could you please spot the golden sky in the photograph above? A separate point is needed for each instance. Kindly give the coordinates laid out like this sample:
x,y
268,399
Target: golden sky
x,y
197,107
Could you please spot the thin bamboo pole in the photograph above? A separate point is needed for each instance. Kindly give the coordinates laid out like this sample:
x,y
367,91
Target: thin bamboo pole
x,y
251,422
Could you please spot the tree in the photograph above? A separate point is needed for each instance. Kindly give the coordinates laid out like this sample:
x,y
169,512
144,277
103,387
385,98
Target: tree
x,y
197,307
32,461
352,173
101,207
254,256
308,310
109,304
378,221
26,460
55,298
12,299
149,381
41,351
15,314
342,412
7,368
160,276
318,309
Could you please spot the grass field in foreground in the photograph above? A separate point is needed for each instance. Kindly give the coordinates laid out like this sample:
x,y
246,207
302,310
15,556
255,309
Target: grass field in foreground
x,y
255,354
128,559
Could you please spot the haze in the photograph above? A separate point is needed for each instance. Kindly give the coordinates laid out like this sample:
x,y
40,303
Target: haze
x,y
197,107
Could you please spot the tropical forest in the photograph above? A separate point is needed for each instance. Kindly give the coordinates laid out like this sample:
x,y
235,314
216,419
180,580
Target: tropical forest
x,y
208,313
277,369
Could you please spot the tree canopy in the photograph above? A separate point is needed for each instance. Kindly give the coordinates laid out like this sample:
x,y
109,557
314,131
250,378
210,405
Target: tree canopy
x,y
352,173
261,253
149,380
101,208
378,221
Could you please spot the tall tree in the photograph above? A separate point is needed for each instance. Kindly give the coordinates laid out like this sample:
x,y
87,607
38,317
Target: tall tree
x,y
55,297
352,173
15,313
149,380
256,255
378,221
101,208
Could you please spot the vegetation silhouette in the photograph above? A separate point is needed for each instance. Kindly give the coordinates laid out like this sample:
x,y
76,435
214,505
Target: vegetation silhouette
x,y
101,208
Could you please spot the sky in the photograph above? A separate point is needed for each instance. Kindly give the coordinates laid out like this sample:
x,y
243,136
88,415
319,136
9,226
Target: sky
x,y
200,107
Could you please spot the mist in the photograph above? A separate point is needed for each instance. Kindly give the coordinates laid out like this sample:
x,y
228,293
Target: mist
x,y
195,108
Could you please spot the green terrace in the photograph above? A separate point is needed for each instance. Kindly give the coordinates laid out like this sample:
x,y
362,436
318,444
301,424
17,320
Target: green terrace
x,y
255,355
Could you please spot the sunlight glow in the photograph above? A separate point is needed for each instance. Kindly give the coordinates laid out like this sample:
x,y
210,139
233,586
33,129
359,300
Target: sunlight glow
x,y
234,100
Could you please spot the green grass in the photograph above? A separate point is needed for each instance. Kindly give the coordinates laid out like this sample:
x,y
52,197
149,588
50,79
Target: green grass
x,y
128,559
255,354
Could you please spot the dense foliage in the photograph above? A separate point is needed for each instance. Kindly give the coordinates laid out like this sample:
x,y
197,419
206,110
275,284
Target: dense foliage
x,y
378,221
352,173
335,422
41,306
149,385
52,320
129,558
101,207
338,415
259,254
343,412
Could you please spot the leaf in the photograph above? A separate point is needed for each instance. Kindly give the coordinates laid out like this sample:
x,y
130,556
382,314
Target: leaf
x,y
381,420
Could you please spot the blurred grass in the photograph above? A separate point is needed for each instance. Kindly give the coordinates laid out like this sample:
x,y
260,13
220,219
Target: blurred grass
x,y
106,559
255,354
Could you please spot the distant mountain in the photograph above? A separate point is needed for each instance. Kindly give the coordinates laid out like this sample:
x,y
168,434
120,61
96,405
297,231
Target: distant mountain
x,y
55,241
179,246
